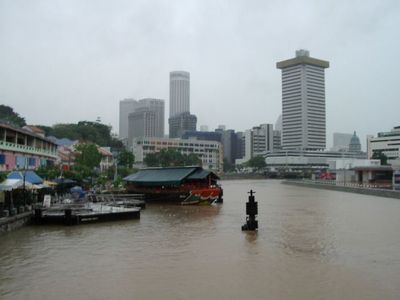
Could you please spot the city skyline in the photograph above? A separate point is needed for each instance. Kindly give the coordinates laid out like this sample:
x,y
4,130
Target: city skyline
x,y
77,57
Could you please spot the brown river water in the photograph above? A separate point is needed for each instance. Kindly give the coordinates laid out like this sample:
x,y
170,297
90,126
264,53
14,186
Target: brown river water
x,y
311,244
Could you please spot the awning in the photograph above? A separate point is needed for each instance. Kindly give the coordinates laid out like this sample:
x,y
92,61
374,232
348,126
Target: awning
x,y
40,186
30,176
13,184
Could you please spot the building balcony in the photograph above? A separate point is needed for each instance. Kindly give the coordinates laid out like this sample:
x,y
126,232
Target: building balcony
x,y
7,146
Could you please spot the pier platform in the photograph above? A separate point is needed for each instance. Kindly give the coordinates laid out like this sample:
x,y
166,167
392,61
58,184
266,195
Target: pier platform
x,y
74,215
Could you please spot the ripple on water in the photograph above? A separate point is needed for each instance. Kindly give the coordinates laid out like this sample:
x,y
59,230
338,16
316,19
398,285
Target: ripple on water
x,y
311,244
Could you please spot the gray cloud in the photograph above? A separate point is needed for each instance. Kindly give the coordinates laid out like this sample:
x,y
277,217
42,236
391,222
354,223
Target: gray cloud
x,y
64,61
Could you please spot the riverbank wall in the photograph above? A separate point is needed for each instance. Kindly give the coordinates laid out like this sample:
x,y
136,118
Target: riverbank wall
x,y
357,190
242,176
11,223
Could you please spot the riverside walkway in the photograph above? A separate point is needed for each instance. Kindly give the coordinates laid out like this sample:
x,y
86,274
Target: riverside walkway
x,y
373,190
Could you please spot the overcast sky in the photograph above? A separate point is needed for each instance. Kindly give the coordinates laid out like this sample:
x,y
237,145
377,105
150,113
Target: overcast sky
x,y
66,61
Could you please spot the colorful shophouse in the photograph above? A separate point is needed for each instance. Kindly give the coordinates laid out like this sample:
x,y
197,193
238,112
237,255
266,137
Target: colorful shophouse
x,y
24,149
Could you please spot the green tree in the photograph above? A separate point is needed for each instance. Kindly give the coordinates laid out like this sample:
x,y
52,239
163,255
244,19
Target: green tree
x,y
7,114
3,176
48,172
170,158
152,160
87,156
126,159
381,156
192,160
85,131
257,162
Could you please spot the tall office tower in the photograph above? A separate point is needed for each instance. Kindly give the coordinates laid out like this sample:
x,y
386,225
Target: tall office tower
x,y
257,141
262,139
181,123
141,124
156,105
303,102
240,145
126,107
229,143
147,120
278,134
179,92
277,140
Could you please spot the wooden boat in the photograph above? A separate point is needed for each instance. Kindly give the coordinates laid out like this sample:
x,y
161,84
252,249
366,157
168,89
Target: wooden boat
x,y
184,185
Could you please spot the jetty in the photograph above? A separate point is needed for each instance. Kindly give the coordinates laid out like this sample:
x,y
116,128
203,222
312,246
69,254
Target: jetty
x,y
75,214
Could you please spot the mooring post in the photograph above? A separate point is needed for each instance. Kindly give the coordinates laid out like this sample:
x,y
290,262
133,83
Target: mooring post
x,y
68,216
220,199
38,215
251,211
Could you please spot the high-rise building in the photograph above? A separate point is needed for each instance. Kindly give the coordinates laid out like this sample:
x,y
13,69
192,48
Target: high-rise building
x,y
126,107
240,145
156,105
278,134
277,140
141,123
179,93
257,142
303,102
181,123
147,120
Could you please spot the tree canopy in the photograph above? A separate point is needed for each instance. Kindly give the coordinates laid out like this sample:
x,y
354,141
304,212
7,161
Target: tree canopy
x,y
171,158
126,159
87,156
257,162
7,114
85,131
381,156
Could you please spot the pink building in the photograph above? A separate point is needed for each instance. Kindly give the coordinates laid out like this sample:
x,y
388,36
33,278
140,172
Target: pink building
x,y
24,149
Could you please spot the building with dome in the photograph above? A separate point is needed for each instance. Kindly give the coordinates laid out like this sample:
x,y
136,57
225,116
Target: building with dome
x,y
355,145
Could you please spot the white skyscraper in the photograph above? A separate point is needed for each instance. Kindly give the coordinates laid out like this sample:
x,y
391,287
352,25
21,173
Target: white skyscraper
x,y
147,120
179,93
126,107
303,102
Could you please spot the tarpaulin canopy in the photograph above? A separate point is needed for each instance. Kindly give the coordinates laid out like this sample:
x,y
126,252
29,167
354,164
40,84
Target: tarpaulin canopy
x,y
64,181
77,191
13,184
30,176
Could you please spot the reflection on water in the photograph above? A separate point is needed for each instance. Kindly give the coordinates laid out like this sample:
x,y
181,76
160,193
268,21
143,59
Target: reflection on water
x,y
311,244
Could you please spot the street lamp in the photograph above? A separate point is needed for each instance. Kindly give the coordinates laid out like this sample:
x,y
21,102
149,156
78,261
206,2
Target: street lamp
x,y
24,179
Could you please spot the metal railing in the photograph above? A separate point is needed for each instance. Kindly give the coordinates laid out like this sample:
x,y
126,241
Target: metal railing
x,y
350,184
26,149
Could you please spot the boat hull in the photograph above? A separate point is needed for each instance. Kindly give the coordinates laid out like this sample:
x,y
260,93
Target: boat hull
x,y
199,196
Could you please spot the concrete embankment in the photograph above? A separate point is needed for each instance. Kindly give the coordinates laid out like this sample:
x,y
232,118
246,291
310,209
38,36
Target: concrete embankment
x,y
242,176
357,190
14,222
